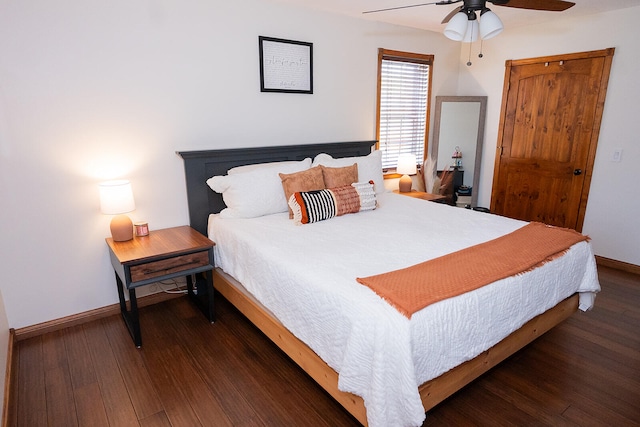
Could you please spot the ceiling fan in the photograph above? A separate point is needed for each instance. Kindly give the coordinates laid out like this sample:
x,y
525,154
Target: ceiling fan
x,y
463,22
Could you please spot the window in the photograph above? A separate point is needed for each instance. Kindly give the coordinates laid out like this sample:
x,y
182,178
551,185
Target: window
x,y
404,86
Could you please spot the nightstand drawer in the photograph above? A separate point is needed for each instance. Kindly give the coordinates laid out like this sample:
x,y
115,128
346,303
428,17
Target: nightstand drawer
x,y
168,266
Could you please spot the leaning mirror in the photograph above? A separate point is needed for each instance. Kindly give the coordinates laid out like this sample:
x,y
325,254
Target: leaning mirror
x,y
458,134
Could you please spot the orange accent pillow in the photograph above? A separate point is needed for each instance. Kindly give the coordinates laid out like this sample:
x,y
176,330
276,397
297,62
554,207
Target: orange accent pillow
x,y
307,180
338,177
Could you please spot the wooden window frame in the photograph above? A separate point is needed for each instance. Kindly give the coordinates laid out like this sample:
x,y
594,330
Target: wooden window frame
x,y
386,54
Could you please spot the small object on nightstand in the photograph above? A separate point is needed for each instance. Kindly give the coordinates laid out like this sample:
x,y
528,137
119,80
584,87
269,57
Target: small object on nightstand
x,y
165,254
457,157
406,166
142,229
116,198
463,201
463,190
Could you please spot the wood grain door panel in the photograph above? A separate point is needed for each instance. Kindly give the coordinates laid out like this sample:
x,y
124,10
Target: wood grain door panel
x,y
541,196
550,120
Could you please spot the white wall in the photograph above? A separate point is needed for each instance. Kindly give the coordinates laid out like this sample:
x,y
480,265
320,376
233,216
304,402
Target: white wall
x,y
93,90
614,200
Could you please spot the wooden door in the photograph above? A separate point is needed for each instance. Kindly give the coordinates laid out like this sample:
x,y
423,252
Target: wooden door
x,y
549,125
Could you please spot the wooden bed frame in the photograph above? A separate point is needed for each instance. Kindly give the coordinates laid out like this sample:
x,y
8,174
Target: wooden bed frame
x,y
201,165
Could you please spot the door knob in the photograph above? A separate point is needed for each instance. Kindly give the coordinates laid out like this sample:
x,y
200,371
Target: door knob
x,y
577,172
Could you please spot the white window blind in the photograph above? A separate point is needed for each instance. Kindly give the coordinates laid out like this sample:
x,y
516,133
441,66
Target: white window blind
x,y
403,104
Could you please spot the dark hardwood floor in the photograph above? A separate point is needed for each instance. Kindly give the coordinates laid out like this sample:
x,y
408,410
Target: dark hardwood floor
x,y
585,372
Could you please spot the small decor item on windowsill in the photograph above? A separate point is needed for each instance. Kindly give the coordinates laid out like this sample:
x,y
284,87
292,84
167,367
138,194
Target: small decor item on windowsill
x,y
142,228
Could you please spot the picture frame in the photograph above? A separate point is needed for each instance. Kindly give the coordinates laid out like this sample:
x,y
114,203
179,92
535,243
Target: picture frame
x,y
285,65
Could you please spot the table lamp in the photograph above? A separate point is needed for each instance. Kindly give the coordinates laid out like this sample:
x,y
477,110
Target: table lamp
x,y
116,198
406,166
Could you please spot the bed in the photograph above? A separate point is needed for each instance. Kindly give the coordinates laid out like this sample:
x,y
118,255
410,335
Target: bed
x,y
414,386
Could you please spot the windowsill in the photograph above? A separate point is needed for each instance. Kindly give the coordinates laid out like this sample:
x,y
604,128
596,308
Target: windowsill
x,y
392,174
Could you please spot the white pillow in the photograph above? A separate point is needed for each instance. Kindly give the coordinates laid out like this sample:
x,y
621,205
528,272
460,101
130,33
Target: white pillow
x,y
256,192
369,167
283,167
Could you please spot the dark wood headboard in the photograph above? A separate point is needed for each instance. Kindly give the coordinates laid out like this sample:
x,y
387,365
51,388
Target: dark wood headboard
x,y
202,165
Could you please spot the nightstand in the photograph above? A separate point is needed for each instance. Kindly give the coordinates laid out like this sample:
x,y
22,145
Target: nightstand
x,y
163,254
424,196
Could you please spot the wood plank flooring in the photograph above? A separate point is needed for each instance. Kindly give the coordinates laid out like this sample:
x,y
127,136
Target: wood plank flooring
x,y
585,372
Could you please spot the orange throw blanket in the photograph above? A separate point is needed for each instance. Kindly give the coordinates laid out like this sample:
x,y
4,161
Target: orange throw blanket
x,y
413,288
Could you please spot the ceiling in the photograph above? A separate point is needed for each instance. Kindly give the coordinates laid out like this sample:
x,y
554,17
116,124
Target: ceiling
x,y
429,17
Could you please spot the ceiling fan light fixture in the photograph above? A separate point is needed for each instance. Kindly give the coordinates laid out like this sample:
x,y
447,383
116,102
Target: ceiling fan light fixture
x,y
457,27
490,24
472,32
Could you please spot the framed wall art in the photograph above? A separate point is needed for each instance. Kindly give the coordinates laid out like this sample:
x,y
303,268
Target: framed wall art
x,y
285,65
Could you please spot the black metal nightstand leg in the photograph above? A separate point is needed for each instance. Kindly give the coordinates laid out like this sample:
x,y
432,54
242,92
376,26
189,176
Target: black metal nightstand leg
x,y
210,291
203,295
130,317
135,319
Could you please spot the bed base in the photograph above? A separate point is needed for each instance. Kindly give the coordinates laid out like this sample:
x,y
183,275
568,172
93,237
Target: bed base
x,y
201,165
432,392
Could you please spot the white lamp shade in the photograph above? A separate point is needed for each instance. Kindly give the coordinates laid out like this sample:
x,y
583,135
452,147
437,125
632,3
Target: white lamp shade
x,y
490,25
457,27
116,197
472,32
407,164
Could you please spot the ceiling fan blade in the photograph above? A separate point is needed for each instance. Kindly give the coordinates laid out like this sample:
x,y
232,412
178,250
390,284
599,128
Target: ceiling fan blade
x,y
413,5
451,14
550,5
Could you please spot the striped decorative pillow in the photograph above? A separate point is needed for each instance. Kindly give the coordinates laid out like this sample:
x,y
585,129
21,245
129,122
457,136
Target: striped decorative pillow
x,y
314,206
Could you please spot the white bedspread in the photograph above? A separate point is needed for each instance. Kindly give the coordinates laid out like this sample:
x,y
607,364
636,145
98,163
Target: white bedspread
x,y
306,276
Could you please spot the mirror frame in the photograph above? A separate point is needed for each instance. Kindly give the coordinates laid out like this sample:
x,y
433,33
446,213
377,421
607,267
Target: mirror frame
x,y
480,136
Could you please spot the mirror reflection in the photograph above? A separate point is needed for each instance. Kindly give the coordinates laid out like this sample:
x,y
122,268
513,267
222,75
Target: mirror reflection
x,y
457,142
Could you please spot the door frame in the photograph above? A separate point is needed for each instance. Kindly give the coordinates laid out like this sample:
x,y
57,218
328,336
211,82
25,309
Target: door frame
x,y
607,54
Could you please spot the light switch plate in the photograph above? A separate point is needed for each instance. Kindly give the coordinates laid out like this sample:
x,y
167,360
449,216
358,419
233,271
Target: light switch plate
x,y
616,156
